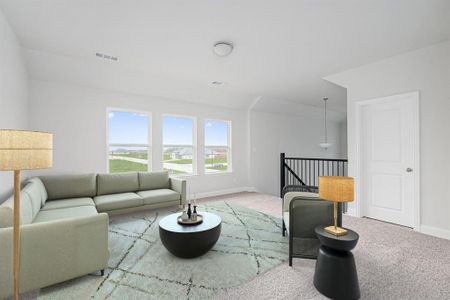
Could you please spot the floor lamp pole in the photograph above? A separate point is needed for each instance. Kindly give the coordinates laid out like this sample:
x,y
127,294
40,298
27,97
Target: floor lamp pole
x,y
16,230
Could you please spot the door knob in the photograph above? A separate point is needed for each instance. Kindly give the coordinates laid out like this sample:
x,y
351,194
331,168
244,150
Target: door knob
x,y
409,170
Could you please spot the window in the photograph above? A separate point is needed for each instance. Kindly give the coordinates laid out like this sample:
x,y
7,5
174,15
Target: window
x,y
128,146
178,145
217,146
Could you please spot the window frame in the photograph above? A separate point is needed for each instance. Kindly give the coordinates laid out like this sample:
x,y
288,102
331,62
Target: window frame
x,y
229,147
149,134
194,143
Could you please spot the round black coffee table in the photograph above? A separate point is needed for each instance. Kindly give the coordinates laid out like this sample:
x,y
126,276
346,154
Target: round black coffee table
x,y
189,241
335,275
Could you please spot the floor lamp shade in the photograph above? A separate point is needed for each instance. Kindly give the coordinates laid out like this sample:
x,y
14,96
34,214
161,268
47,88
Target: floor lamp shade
x,y
336,189
22,150
25,150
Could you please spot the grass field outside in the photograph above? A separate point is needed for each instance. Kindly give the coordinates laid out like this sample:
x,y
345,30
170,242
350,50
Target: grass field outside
x,y
118,165
141,155
121,165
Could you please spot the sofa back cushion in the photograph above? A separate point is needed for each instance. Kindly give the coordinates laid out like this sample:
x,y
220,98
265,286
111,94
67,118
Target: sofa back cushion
x,y
69,186
7,211
154,180
37,187
117,183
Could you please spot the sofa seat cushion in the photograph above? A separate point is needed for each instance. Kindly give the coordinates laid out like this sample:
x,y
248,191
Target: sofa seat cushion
x,y
117,201
159,195
66,203
65,213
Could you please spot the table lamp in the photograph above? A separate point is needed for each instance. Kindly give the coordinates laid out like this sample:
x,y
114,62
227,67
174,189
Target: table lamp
x,y
336,189
22,150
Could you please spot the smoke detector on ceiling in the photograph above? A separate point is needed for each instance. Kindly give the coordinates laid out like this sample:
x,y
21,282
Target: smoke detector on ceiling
x,y
223,49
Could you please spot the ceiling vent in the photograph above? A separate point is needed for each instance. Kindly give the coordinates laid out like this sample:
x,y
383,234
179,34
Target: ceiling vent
x,y
106,56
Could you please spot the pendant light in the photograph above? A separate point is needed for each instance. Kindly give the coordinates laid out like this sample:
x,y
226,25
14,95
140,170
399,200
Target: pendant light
x,y
325,145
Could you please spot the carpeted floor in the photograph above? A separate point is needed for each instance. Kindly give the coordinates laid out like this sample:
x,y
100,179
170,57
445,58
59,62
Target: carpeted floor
x,y
141,268
393,262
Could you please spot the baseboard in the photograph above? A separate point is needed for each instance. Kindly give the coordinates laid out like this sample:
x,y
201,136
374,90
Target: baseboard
x,y
225,192
434,231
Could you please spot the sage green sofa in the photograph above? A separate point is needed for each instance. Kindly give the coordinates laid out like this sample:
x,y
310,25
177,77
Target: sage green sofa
x,y
64,222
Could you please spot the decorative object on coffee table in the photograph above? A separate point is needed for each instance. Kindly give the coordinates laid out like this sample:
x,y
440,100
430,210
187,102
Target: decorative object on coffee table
x,y
190,217
336,189
22,150
335,275
189,241
190,222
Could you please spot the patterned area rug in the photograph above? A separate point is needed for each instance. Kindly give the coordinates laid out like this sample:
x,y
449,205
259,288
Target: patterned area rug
x,y
141,268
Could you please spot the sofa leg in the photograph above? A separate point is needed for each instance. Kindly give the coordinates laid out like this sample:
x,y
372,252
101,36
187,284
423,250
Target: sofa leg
x,y
290,261
102,272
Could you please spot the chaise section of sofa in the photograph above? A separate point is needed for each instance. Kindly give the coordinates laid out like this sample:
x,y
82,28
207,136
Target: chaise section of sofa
x,y
60,239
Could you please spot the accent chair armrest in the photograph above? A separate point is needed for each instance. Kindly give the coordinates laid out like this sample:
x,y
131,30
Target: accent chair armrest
x,y
288,197
299,188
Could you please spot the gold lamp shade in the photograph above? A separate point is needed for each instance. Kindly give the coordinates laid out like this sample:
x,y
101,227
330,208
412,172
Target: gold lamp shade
x,y
336,189
25,150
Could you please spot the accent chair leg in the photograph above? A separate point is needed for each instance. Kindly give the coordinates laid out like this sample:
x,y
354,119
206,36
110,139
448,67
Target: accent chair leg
x,y
102,272
283,230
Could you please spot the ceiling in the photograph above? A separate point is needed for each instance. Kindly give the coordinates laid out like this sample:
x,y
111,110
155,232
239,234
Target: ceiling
x,y
282,50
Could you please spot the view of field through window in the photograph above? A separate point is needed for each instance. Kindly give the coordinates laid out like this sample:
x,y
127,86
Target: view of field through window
x,y
178,149
128,141
216,146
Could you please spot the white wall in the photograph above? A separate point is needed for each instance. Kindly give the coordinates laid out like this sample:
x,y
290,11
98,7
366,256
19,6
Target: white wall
x,y
77,118
343,138
427,71
299,136
13,92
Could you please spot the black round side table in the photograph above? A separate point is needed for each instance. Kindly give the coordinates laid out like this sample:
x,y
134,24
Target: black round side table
x,y
335,275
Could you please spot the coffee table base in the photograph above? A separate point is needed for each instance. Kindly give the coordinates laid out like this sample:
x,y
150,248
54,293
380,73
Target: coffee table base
x,y
189,245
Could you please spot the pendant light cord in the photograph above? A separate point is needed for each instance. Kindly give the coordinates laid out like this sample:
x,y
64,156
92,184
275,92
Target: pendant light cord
x,y
326,131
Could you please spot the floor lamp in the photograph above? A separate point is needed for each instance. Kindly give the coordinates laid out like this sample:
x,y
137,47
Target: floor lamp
x,y
22,150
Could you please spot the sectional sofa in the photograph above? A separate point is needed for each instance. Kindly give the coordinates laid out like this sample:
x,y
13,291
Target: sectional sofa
x,y
64,222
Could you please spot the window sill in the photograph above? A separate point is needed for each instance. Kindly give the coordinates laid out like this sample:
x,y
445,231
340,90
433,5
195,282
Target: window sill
x,y
220,173
183,175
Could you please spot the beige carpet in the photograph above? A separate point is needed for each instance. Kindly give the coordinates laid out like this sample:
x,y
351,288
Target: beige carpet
x,y
393,262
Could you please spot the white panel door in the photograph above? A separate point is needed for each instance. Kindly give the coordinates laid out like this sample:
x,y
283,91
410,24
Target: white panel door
x,y
388,143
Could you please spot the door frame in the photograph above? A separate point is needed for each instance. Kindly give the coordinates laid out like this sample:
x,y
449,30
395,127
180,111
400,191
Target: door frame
x,y
360,206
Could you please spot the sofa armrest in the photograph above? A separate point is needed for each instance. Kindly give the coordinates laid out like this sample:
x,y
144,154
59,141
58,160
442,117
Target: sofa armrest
x,y
52,252
179,185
